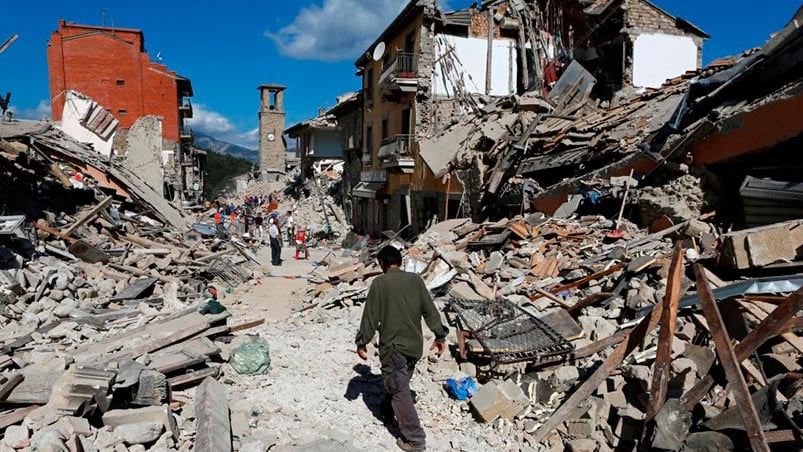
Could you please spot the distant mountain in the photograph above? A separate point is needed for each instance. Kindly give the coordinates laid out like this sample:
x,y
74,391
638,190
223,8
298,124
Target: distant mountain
x,y
221,147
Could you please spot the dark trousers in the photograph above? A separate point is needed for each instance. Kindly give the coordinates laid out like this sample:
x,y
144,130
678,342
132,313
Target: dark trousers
x,y
275,251
396,374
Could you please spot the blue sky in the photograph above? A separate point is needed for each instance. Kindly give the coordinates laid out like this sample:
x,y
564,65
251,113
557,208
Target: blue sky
x,y
228,48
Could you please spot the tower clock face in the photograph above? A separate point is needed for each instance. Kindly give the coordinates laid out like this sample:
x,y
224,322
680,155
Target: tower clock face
x,y
271,137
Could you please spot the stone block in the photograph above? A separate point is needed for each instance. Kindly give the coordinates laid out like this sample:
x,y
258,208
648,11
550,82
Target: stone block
x,y
140,432
499,399
564,377
71,425
761,246
162,414
16,437
672,425
581,445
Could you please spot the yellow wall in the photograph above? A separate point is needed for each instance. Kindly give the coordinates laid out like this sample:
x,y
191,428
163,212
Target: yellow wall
x,y
393,110
422,179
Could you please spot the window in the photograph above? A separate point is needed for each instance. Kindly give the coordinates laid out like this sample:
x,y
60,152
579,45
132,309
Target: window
x,y
369,146
122,112
409,42
369,86
384,128
120,82
405,122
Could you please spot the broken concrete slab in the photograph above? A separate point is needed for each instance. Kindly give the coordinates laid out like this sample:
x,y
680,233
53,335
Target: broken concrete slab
x,y
212,418
762,246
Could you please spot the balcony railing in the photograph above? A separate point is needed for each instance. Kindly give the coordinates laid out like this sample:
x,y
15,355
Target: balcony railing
x,y
186,134
396,153
186,108
399,75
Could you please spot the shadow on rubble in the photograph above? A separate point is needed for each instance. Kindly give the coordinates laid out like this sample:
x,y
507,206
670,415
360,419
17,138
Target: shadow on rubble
x,y
370,386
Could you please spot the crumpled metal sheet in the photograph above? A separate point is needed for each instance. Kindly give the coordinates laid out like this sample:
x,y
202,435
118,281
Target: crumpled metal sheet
x,y
758,286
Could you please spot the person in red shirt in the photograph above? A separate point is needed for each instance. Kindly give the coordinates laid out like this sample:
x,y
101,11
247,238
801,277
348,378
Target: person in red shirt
x,y
301,243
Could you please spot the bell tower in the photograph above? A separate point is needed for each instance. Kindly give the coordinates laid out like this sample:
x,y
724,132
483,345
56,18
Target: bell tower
x,y
271,130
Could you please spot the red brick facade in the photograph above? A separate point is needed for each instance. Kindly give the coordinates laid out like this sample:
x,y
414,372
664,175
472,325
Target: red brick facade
x,y
110,65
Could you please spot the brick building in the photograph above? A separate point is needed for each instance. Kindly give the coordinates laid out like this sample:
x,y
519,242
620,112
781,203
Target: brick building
x,y
111,67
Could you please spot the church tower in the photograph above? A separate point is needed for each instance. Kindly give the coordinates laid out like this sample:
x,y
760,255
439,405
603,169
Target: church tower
x,y
271,130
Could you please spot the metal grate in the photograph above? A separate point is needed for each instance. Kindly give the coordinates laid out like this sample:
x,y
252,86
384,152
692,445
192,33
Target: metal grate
x,y
508,333
228,272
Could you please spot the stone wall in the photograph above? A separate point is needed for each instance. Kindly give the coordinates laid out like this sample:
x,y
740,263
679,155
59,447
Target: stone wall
x,y
144,151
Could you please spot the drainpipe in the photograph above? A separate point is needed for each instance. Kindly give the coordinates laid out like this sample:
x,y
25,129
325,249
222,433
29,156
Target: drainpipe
x,y
490,54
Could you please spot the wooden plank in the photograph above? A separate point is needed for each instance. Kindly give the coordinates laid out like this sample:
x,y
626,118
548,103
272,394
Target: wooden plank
x,y
633,339
213,423
45,228
588,301
582,281
760,310
16,416
794,324
669,317
768,328
730,362
602,344
247,325
12,383
89,215
783,436
192,377
146,339
554,298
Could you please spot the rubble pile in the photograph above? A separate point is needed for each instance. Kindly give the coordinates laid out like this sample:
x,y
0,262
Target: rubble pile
x,y
320,213
264,188
629,309
107,317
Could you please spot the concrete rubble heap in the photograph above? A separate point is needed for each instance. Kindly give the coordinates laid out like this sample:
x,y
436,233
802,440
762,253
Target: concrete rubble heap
x,y
614,301
102,304
708,130
605,295
670,326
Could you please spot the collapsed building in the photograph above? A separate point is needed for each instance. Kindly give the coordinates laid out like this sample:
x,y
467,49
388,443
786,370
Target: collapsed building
x,y
428,69
105,91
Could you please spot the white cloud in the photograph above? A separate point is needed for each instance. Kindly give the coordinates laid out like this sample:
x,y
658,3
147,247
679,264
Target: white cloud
x,y
219,127
248,139
209,122
42,110
335,31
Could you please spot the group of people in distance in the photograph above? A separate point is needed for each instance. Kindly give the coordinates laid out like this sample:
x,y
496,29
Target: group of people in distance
x,y
258,218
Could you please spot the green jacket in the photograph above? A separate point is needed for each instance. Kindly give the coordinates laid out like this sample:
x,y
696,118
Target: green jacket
x,y
396,303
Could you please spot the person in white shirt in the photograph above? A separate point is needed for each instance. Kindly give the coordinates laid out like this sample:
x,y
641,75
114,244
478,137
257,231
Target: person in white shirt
x,y
290,226
275,244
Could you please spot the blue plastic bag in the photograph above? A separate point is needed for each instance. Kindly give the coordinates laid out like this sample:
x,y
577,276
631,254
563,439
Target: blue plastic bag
x,y
461,389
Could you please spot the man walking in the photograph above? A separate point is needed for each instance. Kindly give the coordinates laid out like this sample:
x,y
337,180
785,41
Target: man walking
x,y
275,244
396,303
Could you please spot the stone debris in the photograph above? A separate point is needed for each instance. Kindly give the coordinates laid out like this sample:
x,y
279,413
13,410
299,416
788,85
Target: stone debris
x,y
635,316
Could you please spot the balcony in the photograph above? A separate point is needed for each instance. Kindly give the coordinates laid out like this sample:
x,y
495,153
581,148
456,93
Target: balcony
x,y
185,135
396,154
185,109
399,76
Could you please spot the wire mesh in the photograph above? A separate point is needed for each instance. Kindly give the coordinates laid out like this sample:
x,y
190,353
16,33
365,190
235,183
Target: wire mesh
x,y
508,333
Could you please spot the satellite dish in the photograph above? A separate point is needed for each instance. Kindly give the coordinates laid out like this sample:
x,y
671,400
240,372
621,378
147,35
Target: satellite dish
x,y
379,51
